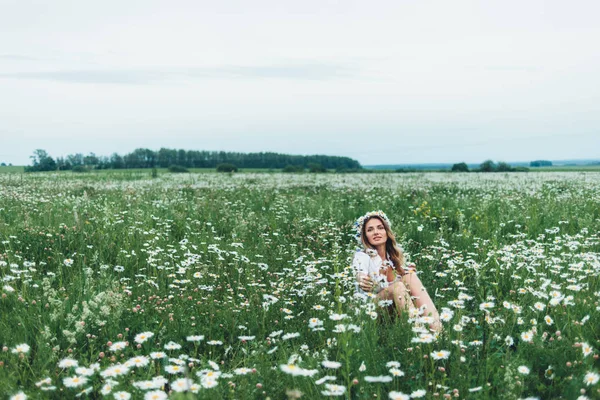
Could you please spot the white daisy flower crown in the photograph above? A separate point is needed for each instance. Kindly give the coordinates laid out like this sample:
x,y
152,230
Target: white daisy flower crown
x,y
358,225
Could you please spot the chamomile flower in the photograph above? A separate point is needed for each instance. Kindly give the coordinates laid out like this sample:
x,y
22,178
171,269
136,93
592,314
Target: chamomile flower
x,y
74,381
21,348
333,390
591,378
586,349
68,363
172,346
523,370
181,384
142,337
393,395
527,336
440,355
331,364
155,395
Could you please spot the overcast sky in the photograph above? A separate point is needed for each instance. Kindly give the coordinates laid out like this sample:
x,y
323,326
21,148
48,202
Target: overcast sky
x,y
383,82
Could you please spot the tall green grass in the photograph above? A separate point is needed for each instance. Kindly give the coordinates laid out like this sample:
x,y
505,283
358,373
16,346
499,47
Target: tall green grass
x,y
88,259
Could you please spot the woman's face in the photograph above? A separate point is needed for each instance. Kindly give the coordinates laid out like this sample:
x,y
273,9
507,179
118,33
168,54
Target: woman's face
x,y
375,232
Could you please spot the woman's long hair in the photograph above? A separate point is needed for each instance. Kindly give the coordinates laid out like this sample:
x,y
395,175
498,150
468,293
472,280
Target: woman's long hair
x,y
391,247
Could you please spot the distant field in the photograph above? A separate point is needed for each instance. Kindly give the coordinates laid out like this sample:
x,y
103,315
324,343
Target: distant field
x,y
568,168
14,168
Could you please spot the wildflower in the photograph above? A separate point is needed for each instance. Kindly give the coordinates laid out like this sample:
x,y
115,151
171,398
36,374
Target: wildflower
x,y
115,370
333,390
549,373
146,385
45,381
331,364
393,395
172,346
117,346
122,395
418,393
523,370
527,336
157,354
119,268
294,370
440,355
209,383
486,306
393,364
509,340
539,306
68,363
362,367
380,379
314,322
337,317
587,349
174,369
242,371
214,342
591,378
155,395
181,384
139,361
106,389
396,372
213,365
84,371
19,396
75,381
195,338
68,262
142,337
446,314
475,389
290,335
21,348
247,338
325,379
208,374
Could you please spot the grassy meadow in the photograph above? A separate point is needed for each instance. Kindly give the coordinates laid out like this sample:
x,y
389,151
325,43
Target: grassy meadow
x,y
208,286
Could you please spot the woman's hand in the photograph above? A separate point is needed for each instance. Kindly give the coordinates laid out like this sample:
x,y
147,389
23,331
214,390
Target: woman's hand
x,y
365,282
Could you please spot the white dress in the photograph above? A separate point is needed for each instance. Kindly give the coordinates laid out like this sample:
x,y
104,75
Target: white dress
x,y
370,264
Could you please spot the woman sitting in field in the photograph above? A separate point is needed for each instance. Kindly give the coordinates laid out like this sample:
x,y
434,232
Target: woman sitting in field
x,y
381,272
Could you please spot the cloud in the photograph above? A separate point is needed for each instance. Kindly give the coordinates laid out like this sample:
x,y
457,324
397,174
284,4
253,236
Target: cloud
x,y
301,71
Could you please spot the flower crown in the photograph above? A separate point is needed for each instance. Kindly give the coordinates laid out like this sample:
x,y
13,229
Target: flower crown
x,y
358,225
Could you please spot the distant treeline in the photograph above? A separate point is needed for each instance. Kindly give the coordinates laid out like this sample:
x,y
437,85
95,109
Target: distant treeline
x,y
488,166
164,158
